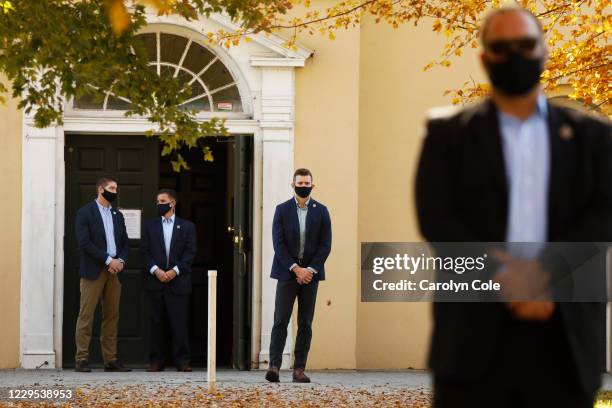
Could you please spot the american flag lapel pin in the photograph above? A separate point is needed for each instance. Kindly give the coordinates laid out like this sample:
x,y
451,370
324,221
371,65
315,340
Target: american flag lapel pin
x,y
566,132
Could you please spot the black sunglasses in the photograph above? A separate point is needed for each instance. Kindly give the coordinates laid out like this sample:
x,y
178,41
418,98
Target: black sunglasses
x,y
504,47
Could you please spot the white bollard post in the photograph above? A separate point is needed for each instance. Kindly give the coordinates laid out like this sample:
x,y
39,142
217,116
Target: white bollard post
x,y
212,332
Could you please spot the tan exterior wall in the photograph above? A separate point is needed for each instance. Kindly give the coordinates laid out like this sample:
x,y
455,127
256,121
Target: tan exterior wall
x,y
10,233
326,141
394,95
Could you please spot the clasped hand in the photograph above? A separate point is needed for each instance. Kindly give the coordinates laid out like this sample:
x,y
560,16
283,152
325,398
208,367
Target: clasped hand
x,y
524,279
303,275
165,276
115,266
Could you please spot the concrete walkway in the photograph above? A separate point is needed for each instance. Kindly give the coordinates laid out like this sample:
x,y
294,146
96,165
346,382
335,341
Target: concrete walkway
x,y
345,378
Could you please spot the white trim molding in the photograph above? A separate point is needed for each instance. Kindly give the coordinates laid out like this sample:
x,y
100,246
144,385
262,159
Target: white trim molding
x,y
38,247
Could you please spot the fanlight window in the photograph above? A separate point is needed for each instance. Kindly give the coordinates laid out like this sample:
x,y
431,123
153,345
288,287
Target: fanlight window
x,y
213,88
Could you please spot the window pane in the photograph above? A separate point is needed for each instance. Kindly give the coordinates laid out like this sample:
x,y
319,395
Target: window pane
x,y
172,47
116,104
89,102
184,77
197,58
216,76
201,104
150,42
166,71
227,100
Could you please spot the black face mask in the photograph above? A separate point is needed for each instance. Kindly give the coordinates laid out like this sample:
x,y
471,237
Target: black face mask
x,y
515,76
109,196
303,191
163,208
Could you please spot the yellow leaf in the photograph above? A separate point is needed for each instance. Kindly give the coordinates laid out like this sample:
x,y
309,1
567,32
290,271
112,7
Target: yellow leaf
x,y
7,6
118,16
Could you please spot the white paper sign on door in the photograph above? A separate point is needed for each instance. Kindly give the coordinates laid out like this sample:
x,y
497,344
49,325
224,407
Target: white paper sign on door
x,y
132,222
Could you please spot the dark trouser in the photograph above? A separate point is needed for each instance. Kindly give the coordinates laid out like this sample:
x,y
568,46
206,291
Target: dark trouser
x,y
533,367
286,292
174,309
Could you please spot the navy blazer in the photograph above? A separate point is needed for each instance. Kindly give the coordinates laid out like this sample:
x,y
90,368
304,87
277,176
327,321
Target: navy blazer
x,y
183,249
286,239
92,239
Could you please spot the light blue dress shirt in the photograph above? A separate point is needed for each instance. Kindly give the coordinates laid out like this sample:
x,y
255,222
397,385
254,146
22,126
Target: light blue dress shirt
x,y
526,150
109,231
167,226
302,213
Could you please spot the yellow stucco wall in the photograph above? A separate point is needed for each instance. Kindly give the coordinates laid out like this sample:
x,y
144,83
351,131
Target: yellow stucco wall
x,y
10,233
360,111
326,141
395,94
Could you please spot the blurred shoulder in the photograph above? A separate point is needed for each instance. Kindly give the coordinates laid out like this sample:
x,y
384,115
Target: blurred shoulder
x,y
454,116
587,120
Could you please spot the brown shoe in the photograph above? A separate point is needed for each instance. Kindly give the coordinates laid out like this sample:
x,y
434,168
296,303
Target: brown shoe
x,y
299,376
155,367
116,367
185,368
273,374
82,366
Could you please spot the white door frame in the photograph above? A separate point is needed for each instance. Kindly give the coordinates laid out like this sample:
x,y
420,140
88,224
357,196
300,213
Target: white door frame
x,y
264,72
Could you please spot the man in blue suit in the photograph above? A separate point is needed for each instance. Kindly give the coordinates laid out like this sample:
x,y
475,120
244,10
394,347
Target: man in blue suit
x,y
301,234
168,248
103,247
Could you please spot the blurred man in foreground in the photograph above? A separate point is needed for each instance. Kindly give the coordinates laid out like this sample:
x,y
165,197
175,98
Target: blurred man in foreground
x,y
516,168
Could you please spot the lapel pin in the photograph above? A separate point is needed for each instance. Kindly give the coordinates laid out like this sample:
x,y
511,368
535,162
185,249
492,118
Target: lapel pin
x,y
114,212
178,227
566,132
314,205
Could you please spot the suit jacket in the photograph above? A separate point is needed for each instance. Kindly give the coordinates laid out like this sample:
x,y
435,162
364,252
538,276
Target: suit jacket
x,y
92,239
182,252
462,193
286,239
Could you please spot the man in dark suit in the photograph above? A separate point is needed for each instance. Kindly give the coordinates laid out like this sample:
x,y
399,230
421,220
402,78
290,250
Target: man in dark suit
x,y
516,168
168,247
301,235
103,247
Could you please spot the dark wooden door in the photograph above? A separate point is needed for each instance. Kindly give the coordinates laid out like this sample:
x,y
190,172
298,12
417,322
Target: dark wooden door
x,y
134,162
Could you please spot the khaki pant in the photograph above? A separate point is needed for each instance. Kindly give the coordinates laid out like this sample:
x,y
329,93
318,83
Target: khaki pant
x,y
107,288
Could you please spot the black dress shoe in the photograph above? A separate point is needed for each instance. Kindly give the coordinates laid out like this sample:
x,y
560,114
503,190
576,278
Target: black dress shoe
x,y
273,374
186,368
155,367
82,366
299,376
116,367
